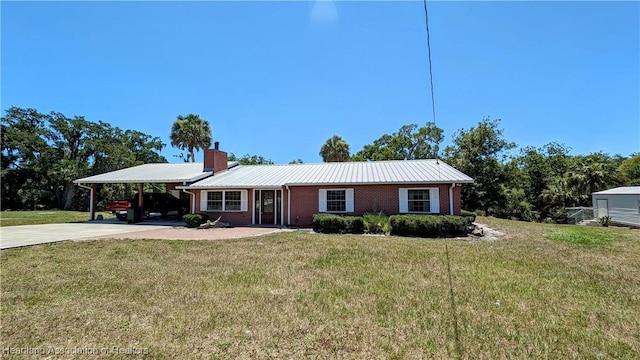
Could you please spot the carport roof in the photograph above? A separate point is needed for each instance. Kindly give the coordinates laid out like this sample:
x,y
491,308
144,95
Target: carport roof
x,y
151,173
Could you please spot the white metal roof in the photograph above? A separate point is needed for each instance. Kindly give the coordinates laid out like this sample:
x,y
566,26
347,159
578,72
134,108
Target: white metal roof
x,y
339,173
151,173
625,190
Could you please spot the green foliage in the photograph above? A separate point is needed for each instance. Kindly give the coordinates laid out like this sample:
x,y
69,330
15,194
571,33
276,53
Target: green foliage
x,y
429,226
515,207
335,149
338,224
591,173
377,223
536,169
191,133
43,153
469,216
479,152
247,159
296,161
605,221
195,220
409,143
630,170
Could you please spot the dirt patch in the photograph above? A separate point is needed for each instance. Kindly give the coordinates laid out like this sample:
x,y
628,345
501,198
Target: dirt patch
x,y
182,233
487,233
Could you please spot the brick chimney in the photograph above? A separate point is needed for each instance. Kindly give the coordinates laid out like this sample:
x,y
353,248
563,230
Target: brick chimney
x,y
214,159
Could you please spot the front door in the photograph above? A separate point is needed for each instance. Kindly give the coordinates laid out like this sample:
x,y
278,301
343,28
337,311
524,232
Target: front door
x,y
267,207
603,208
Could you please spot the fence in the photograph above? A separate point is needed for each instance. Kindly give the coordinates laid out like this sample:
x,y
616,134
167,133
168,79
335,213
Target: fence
x,y
575,215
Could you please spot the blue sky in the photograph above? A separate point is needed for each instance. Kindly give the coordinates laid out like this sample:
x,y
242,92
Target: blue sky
x,y
278,79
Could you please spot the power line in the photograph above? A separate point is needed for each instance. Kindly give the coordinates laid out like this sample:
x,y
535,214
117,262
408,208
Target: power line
x,y
433,101
452,298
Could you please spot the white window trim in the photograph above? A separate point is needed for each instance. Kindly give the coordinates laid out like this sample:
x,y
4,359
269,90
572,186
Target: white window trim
x,y
322,200
243,200
434,200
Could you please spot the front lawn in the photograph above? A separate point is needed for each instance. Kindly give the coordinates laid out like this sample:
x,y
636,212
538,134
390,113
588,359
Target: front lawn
x,y
13,218
295,295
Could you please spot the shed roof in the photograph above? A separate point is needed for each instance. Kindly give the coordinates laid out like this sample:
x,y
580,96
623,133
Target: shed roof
x,y
624,190
342,173
152,173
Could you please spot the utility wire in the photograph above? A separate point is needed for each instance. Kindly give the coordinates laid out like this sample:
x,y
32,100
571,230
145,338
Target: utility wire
x,y
433,101
452,298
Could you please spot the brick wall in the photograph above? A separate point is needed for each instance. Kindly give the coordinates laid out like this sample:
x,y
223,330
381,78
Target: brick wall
x,y
232,217
304,202
367,198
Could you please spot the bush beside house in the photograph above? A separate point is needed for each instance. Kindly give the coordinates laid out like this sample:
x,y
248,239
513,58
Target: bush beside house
x,y
195,220
430,226
336,224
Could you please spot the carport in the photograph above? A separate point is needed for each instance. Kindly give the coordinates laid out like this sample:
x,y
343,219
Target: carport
x,y
170,174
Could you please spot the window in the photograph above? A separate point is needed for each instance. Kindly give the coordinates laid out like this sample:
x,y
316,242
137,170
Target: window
x,y
214,200
419,200
232,200
335,200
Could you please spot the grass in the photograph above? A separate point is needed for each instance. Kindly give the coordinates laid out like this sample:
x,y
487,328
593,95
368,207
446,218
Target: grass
x,y
14,218
581,235
295,295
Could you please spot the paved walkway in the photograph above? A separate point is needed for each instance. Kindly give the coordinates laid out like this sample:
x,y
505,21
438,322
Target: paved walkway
x,y
25,235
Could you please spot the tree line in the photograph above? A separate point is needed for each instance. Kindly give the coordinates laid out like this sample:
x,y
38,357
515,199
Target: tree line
x,y
43,153
534,184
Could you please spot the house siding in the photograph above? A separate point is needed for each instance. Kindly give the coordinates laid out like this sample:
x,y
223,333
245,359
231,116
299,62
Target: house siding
x,y
305,202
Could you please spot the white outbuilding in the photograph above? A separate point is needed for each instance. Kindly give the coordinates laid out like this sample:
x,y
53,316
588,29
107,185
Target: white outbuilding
x,y
622,204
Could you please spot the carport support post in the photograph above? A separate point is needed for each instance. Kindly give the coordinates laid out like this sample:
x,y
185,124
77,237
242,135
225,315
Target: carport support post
x,y
92,202
141,199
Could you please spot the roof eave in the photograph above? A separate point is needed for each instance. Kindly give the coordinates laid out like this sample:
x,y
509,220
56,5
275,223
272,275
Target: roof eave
x,y
146,181
382,183
256,186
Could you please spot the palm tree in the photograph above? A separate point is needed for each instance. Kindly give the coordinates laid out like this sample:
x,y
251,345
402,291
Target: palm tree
x,y
589,178
335,150
192,133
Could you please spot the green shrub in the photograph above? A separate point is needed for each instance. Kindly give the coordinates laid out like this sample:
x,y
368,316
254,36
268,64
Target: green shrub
x,y
377,223
605,221
337,224
469,216
195,220
355,224
431,226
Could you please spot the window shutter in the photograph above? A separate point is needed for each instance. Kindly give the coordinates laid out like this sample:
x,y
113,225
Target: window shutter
x,y
243,200
348,194
434,200
203,200
322,200
403,195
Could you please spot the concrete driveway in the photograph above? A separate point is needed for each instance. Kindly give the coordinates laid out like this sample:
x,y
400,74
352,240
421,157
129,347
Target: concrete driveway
x,y
24,235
